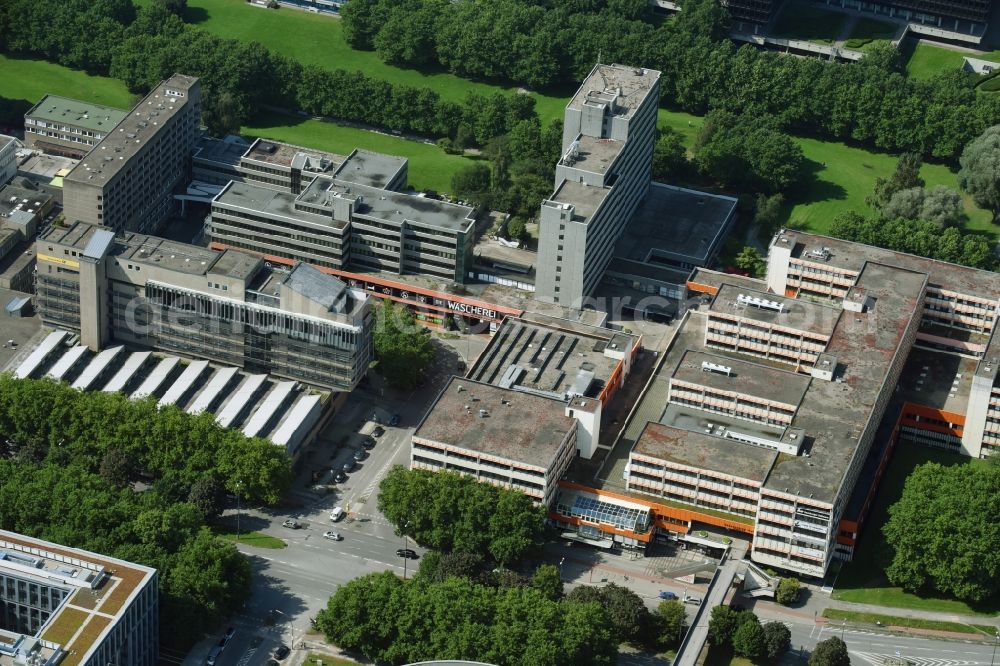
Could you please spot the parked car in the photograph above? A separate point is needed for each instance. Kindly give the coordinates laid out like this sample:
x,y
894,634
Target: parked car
x,y
688,599
281,652
340,477
349,466
407,553
292,523
332,536
378,431
359,455
230,632
336,514
394,420
667,595
368,442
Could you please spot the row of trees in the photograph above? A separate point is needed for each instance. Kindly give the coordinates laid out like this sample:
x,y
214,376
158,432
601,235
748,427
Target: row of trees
x,y
450,512
537,44
109,37
742,631
394,621
941,535
47,421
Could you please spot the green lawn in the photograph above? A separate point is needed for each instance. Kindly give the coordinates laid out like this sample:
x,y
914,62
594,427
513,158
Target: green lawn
x,y
909,622
30,80
316,659
252,539
813,24
926,60
841,177
430,167
861,580
318,39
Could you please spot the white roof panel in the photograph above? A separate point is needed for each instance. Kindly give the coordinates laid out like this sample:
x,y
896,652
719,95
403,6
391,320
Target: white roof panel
x,y
236,404
184,382
272,403
304,410
96,367
127,372
156,378
218,382
67,361
37,357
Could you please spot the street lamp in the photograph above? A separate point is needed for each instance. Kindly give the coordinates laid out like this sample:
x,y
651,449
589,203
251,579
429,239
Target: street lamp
x,y
561,560
997,635
239,485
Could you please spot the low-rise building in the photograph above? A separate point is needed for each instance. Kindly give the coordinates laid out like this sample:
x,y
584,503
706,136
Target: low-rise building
x,y
65,604
225,306
68,127
8,158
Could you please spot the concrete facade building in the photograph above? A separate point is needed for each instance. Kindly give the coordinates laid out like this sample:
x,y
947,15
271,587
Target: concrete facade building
x,y
127,181
108,608
8,158
608,136
68,127
224,306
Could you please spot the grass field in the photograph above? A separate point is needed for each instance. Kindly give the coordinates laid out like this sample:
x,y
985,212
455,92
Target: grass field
x,y
813,24
909,622
316,659
841,176
861,580
30,80
926,60
318,40
430,167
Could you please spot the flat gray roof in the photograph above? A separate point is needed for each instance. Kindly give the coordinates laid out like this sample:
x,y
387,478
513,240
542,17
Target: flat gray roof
x,y
316,285
852,256
798,314
702,451
595,155
393,207
527,429
284,154
585,198
937,379
271,202
372,169
86,115
626,86
676,223
833,414
753,379
219,151
554,355
128,137
14,198
716,279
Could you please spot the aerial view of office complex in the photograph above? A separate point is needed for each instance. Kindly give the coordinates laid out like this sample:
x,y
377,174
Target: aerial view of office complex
x,y
499,332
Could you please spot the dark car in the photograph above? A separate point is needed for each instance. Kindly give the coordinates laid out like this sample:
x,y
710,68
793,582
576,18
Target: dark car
x,y
349,466
378,431
368,442
359,455
340,476
394,420
281,652
272,662
230,632
407,553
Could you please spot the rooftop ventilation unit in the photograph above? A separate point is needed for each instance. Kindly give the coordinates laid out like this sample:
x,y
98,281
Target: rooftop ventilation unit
x,y
714,367
483,413
821,253
760,303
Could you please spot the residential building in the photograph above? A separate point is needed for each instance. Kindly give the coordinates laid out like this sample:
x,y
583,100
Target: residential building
x,y
68,127
127,181
225,306
8,158
608,136
61,603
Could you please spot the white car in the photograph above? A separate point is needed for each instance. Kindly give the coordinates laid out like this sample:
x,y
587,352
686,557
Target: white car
x,y
332,536
336,514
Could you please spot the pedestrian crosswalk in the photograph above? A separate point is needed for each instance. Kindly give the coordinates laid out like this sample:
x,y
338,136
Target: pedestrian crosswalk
x,y
899,659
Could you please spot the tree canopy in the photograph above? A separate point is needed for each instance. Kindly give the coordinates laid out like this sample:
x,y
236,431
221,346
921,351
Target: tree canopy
x,y
831,652
389,620
450,512
980,173
403,348
941,534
